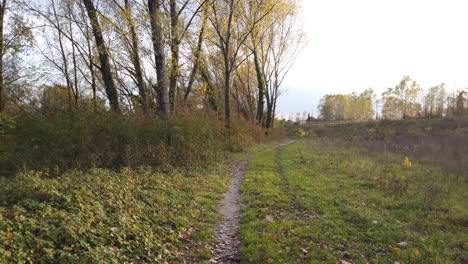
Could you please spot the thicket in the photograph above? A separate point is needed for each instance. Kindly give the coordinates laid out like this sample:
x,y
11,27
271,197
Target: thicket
x,y
83,140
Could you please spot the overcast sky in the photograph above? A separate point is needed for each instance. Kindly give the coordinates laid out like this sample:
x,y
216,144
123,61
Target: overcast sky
x,y
354,45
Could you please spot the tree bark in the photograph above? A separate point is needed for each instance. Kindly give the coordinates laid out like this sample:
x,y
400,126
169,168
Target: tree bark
x,y
2,52
74,61
91,70
106,72
162,88
210,89
174,74
261,88
269,113
196,63
135,56
64,58
227,86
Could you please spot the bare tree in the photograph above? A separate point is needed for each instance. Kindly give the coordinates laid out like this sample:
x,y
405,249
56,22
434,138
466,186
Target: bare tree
x,y
233,23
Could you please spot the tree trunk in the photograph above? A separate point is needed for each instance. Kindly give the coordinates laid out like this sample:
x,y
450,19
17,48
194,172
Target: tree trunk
x,y
269,116
74,61
106,72
135,55
273,111
174,53
90,64
227,86
91,71
261,88
64,58
162,88
2,52
210,89
196,62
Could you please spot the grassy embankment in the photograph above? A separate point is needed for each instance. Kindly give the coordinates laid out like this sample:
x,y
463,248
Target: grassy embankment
x,y
317,201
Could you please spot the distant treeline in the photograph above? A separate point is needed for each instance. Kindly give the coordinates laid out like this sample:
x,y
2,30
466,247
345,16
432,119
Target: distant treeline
x,y
404,101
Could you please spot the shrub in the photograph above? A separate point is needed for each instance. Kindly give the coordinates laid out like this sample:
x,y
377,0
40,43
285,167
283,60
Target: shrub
x,y
85,140
7,142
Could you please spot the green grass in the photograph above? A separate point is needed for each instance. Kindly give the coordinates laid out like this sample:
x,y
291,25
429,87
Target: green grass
x,y
316,202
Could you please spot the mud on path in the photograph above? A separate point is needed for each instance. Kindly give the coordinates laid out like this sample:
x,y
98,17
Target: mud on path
x,y
227,248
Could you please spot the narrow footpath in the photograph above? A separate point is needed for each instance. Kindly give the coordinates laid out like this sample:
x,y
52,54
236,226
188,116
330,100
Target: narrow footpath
x,y
227,248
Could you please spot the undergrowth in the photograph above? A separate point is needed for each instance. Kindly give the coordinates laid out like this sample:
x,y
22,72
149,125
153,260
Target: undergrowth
x,y
102,216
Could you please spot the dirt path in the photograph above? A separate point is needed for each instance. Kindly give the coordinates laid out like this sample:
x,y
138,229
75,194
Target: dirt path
x,y
227,249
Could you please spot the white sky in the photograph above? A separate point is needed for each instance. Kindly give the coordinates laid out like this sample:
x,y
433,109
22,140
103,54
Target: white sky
x,y
354,45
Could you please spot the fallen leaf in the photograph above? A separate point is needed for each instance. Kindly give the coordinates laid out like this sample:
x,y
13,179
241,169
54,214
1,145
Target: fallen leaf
x,y
323,246
270,260
10,215
304,251
417,253
402,244
393,249
179,206
344,262
269,218
288,249
10,236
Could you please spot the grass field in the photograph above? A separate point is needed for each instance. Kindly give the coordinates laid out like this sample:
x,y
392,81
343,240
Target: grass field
x,y
318,202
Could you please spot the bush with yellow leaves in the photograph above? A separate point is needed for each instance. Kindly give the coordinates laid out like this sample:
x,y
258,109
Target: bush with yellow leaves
x,y
301,132
407,163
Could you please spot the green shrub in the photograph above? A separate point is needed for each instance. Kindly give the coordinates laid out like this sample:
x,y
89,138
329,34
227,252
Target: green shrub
x,y
85,140
7,142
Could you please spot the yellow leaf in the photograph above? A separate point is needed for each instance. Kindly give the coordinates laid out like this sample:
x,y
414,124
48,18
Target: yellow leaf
x,y
393,249
179,206
417,253
10,236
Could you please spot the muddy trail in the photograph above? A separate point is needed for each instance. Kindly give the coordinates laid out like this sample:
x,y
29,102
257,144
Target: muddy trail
x,y
227,248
